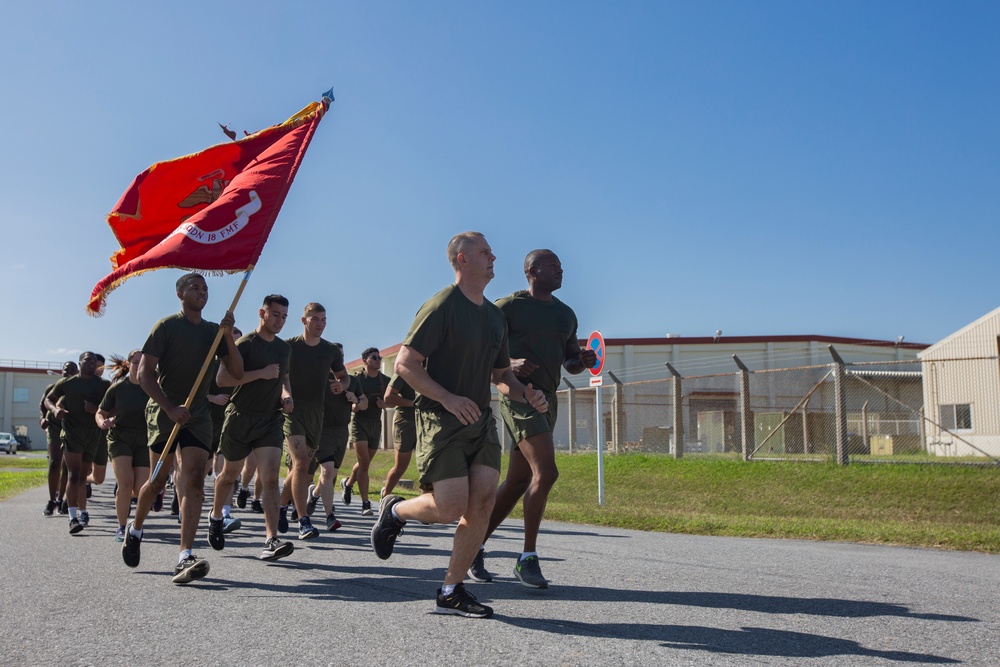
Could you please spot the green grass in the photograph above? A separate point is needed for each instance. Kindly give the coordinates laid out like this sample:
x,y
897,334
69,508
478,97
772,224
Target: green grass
x,y
13,483
953,507
19,462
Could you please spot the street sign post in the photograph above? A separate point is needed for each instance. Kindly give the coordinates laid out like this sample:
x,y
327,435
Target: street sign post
x,y
596,343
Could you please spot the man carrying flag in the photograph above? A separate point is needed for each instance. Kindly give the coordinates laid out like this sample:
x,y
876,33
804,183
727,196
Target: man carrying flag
x,y
171,360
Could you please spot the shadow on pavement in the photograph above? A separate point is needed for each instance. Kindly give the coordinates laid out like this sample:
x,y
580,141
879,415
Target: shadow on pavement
x,y
766,604
745,641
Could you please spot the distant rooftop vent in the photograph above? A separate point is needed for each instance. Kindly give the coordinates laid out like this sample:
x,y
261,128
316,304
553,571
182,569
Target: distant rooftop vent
x,y
673,335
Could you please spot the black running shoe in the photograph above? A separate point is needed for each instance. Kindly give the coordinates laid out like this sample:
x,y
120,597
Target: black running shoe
x,y
276,548
84,518
215,536
478,571
64,507
332,524
307,531
241,497
282,519
312,500
386,528
131,548
50,508
295,515
256,507
529,573
366,508
75,526
346,491
189,569
462,603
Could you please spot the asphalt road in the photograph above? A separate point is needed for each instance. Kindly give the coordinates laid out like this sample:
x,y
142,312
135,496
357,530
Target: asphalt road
x,y
618,597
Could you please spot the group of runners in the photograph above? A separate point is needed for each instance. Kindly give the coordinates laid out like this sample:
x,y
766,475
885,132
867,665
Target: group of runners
x,y
263,395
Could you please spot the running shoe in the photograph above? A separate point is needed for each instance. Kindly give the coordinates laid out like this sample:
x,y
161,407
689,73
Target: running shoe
x,y
381,494
307,531
241,497
229,524
331,523
131,548
346,491
256,507
84,518
189,569
90,491
312,500
282,519
295,515
529,573
478,571
366,508
158,502
50,508
386,528
120,534
215,533
175,506
75,526
64,507
276,548
461,603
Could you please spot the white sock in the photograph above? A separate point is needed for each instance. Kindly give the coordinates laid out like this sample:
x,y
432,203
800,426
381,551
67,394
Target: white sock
x,y
134,533
528,554
184,554
72,513
447,589
227,511
395,516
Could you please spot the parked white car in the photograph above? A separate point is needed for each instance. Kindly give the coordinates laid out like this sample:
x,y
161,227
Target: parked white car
x,y
8,443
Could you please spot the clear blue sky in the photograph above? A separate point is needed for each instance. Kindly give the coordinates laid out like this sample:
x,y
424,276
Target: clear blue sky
x,y
756,167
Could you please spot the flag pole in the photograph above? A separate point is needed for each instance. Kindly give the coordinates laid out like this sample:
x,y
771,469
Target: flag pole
x,y
201,374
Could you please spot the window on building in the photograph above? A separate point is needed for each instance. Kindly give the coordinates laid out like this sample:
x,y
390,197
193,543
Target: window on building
x,y
957,417
20,395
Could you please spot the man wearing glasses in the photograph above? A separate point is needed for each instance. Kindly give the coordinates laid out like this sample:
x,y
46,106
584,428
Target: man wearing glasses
x,y
366,426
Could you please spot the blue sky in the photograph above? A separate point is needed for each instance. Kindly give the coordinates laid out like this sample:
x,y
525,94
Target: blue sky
x,y
756,167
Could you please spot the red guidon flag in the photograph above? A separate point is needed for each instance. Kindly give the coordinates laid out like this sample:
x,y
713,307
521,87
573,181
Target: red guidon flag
x,y
208,211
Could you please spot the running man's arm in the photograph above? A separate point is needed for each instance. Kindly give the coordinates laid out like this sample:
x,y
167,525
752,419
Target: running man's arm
x,y
224,379
409,365
287,404
148,382
508,385
51,402
395,399
576,360
233,361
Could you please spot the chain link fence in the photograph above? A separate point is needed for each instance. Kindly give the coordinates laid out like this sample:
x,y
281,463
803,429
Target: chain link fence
x,y
839,411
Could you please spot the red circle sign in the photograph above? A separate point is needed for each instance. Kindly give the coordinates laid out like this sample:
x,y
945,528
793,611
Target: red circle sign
x,y
596,343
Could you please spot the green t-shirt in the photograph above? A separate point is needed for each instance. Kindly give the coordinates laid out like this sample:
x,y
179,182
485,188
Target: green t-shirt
x,y
180,347
310,368
374,388
462,343
128,403
74,392
406,391
45,412
261,396
336,407
539,331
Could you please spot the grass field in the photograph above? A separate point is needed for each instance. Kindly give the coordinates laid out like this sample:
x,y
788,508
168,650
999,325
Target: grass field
x,y
954,507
